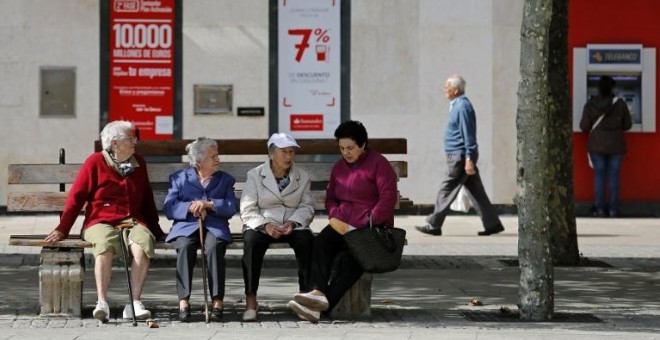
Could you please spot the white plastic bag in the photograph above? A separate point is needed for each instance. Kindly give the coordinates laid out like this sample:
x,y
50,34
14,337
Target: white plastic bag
x,y
462,202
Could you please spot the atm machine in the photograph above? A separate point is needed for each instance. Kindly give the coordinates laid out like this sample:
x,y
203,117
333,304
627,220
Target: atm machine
x,y
633,69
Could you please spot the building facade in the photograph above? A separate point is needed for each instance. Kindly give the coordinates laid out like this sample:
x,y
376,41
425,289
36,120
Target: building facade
x,y
401,53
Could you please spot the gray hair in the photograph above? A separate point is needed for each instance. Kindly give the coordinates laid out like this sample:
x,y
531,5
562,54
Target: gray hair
x,y
198,149
271,150
457,82
113,130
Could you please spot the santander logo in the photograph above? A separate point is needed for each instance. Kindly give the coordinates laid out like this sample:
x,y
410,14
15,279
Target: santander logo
x,y
306,122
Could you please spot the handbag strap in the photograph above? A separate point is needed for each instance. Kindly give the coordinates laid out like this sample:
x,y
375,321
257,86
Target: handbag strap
x,y
614,100
597,122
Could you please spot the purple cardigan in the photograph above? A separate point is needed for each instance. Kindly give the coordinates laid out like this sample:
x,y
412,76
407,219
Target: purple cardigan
x,y
366,187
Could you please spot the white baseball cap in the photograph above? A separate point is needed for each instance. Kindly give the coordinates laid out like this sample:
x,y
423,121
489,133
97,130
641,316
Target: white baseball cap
x,y
282,140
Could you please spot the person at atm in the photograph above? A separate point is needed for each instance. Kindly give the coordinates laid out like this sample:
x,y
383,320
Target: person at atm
x,y
605,117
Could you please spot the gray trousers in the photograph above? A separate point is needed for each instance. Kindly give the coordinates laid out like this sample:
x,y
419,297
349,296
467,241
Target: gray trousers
x,y
449,190
186,249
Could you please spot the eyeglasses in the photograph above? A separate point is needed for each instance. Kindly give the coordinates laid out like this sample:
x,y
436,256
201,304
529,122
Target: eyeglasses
x,y
130,138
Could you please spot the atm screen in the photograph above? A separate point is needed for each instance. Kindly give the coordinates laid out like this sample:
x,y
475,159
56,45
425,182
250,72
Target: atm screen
x,y
628,88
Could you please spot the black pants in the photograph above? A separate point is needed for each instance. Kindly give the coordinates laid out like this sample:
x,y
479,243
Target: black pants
x,y
186,249
256,243
334,270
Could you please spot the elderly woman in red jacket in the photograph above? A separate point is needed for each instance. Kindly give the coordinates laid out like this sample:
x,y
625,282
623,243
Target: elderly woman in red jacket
x,y
115,186
362,185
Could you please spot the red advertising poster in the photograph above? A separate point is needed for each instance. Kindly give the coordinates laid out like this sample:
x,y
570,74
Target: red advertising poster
x,y
142,65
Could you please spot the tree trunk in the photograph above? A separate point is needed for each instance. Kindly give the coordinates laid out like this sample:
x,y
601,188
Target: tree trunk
x,y
563,233
536,168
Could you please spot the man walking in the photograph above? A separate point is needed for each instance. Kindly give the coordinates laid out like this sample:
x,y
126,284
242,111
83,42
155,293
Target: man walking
x,y
462,154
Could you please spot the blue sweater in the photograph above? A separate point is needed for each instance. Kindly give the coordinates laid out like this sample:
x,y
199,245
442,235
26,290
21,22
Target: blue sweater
x,y
461,131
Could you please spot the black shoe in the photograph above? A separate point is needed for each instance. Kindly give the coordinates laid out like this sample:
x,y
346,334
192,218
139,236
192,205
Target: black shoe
x,y
216,314
615,213
600,213
427,229
494,230
184,314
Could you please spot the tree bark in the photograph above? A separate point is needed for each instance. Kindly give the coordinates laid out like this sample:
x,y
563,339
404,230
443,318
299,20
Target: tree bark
x,y
536,168
563,234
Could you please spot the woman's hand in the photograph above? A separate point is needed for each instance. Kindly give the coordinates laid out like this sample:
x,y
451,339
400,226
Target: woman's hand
x,y
287,228
54,236
198,209
208,205
273,230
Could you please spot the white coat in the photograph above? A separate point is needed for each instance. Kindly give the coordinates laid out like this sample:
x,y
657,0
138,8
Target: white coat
x,y
262,202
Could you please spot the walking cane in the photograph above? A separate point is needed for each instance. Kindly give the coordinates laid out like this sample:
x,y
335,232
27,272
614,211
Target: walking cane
x,y
123,230
204,273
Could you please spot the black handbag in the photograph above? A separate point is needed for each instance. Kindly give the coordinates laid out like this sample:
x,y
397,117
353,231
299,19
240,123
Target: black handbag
x,y
376,249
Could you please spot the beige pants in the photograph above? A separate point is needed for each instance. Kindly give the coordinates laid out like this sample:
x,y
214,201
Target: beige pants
x,y
105,237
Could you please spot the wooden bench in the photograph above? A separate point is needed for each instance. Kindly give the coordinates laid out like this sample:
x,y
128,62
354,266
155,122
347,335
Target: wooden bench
x,y
61,268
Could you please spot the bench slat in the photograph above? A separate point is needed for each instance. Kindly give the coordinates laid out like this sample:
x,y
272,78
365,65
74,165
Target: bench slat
x,y
74,241
258,146
160,172
36,201
42,173
52,201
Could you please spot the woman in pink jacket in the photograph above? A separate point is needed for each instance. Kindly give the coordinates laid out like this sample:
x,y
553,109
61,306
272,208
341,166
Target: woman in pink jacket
x,y
362,184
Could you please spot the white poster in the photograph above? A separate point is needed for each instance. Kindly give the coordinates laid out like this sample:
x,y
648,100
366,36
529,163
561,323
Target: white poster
x,y
309,67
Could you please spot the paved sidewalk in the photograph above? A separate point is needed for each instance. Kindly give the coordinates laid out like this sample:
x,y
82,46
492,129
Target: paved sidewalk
x,y
615,297
597,237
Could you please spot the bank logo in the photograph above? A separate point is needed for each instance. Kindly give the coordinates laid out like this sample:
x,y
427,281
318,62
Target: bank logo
x,y
615,56
306,122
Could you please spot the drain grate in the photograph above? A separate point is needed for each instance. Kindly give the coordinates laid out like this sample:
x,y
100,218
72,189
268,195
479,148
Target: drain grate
x,y
497,316
584,262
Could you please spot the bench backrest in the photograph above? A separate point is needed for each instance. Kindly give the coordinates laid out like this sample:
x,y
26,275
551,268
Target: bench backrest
x,y
27,175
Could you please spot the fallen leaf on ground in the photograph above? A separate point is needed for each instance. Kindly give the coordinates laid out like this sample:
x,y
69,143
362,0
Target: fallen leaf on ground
x,y
151,323
505,310
475,302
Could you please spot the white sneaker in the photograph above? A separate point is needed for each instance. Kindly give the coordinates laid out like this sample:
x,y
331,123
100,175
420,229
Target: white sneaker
x,y
303,312
315,302
140,312
102,311
250,315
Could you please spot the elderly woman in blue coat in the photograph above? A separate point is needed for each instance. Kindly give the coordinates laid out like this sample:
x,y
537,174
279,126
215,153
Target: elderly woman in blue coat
x,y
201,191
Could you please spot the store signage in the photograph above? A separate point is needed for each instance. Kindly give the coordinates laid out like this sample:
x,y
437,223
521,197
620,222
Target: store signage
x,y
142,66
309,67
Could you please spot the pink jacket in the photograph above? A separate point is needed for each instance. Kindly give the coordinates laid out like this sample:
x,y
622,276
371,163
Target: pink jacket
x,y
366,187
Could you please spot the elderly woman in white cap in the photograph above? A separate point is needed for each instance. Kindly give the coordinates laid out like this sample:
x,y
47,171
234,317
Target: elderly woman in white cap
x,y
276,206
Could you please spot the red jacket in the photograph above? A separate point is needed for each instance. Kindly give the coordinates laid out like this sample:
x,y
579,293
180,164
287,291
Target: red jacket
x,y
366,187
110,197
